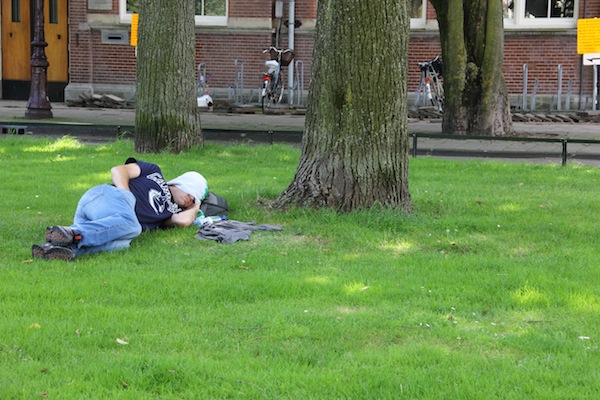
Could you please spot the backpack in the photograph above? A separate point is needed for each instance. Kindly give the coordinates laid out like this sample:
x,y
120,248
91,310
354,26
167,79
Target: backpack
x,y
214,205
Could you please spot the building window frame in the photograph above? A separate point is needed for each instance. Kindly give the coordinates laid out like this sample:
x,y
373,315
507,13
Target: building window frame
x,y
421,21
518,20
200,20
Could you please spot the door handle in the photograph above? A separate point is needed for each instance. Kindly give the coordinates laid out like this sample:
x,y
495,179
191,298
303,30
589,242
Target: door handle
x,y
58,36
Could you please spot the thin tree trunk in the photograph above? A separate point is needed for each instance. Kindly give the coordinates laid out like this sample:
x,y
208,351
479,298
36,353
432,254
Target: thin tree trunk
x,y
355,144
167,116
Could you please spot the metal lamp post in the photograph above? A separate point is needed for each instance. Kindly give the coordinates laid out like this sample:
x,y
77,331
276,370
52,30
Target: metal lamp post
x,y
38,106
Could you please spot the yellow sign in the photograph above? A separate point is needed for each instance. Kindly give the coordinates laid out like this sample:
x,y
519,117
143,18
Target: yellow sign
x,y
588,35
134,29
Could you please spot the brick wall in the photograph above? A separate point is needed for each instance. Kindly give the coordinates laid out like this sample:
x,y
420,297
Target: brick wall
x,y
421,47
220,57
96,63
220,54
542,57
222,50
306,9
542,52
113,63
249,8
589,9
79,43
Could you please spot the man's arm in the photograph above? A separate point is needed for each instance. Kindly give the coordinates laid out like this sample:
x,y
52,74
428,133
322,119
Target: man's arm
x,y
121,174
184,218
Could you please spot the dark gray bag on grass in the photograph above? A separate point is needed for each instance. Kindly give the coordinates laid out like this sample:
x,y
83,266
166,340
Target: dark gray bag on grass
x,y
214,205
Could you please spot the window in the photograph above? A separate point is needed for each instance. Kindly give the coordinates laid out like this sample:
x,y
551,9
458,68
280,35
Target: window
x,y
213,8
53,12
15,11
549,9
416,9
417,14
519,14
208,12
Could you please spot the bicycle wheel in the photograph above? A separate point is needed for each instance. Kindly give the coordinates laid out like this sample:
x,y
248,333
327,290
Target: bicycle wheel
x,y
437,94
278,91
267,97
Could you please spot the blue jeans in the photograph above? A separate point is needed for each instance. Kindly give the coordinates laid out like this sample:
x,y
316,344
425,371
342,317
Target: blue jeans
x,y
106,219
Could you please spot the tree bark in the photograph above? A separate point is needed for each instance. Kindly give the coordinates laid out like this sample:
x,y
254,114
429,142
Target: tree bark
x,y
472,41
167,116
355,144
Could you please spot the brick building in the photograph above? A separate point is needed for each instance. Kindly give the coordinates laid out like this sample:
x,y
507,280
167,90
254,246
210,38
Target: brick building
x,y
89,47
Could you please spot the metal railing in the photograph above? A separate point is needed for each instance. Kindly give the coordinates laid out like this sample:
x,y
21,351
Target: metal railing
x,y
100,131
564,142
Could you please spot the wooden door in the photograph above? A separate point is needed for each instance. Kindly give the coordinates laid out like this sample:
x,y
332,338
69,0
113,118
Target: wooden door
x,y
16,40
17,34
55,31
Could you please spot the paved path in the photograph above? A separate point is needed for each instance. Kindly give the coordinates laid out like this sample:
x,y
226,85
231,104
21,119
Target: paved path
x,y
93,122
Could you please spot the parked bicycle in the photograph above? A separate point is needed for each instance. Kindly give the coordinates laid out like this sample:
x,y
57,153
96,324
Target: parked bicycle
x,y
273,87
431,84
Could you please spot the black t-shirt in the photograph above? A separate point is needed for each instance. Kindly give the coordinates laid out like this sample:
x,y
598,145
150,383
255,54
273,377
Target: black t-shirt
x,y
154,203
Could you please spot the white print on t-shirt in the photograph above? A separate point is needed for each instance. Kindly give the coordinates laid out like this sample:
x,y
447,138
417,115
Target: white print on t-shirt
x,y
160,181
157,201
161,200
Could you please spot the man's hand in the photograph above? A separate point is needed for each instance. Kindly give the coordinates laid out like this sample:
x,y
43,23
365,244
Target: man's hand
x,y
184,218
121,174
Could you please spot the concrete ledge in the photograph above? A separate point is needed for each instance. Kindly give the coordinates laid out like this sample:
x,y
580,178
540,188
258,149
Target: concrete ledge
x,y
74,90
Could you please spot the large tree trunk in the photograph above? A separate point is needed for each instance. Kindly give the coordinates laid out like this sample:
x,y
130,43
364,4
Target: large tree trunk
x,y
355,144
167,116
472,40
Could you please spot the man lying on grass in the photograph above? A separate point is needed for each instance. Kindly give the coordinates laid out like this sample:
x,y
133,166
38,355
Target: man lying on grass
x,y
109,217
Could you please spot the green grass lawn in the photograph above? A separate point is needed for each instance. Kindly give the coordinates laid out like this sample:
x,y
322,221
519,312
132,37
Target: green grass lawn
x,y
490,289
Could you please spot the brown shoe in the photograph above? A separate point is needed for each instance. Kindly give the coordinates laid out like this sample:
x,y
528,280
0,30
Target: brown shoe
x,y
48,251
62,235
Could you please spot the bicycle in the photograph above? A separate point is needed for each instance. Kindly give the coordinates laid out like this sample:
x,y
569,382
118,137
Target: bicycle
x,y
430,84
273,87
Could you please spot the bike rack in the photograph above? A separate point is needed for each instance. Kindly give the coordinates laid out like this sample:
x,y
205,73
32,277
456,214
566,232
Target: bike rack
x,y
299,82
534,94
559,89
202,81
525,73
238,84
559,92
595,94
523,100
569,91
420,89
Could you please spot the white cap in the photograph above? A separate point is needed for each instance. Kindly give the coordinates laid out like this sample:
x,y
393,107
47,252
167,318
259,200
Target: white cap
x,y
192,183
